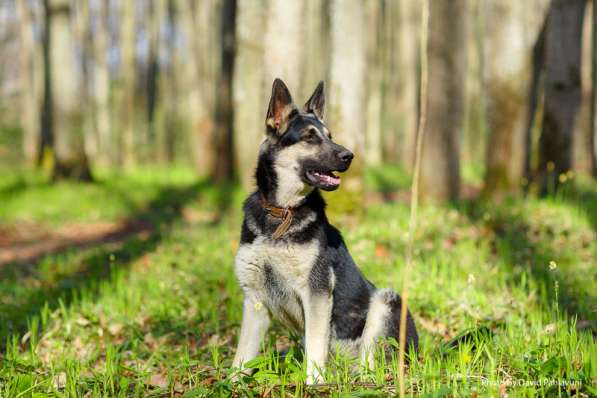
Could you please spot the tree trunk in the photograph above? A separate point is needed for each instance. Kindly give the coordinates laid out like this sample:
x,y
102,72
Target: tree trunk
x,y
440,168
375,46
102,89
346,109
29,94
249,105
405,80
537,66
127,52
154,22
198,21
169,131
282,48
562,91
224,115
70,160
505,82
316,45
46,155
593,121
81,25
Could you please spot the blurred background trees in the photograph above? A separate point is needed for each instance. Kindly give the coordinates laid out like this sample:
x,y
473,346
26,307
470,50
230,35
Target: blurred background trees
x,y
121,84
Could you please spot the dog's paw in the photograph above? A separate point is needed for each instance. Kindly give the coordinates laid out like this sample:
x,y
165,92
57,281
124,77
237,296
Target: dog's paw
x,y
313,377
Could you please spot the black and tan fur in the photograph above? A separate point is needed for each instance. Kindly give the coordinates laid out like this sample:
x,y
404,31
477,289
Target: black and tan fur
x,y
306,278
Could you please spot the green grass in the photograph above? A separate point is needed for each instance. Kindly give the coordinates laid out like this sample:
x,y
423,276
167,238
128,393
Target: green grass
x,y
29,197
159,315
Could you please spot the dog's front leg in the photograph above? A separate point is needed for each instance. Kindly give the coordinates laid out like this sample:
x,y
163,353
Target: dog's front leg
x,y
318,311
255,322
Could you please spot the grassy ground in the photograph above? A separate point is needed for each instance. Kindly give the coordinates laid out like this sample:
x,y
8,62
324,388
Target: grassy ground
x,y
504,296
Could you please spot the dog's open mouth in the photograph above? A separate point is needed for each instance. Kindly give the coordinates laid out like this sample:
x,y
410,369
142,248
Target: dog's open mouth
x,y
326,180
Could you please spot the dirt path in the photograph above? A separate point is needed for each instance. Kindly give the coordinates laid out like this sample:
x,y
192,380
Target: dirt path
x,y
27,242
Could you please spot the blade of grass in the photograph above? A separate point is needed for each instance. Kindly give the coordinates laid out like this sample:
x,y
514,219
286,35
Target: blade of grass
x,y
414,192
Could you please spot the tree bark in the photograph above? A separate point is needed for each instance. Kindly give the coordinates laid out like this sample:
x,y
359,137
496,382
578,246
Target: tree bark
x,y
538,64
375,46
347,90
224,115
562,91
70,159
505,82
283,53
29,90
593,121
171,82
101,89
204,41
81,25
316,46
406,81
249,105
127,52
154,22
46,155
440,167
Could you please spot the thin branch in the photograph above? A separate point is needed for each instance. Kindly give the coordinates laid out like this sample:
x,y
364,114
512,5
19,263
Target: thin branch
x,y
414,191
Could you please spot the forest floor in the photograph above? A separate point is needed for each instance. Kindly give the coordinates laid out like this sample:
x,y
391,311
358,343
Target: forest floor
x,y
125,287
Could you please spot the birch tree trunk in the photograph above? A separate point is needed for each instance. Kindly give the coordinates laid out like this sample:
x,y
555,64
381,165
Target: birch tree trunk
x,y
248,95
201,23
127,52
168,134
375,46
70,159
405,81
346,109
101,89
81,25
29,94
562,91
440,166
316,46
283,40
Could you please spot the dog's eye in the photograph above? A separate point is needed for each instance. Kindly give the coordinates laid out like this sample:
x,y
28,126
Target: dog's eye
x,y
311,136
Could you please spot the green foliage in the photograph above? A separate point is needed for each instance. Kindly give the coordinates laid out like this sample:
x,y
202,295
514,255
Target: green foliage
x,y
159,315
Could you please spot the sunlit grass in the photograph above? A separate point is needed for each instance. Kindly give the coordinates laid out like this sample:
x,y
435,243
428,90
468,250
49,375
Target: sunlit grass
x,y
160,316
31,197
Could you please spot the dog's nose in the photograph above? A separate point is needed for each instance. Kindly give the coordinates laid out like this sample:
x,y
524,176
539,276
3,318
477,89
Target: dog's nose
x,y
346,156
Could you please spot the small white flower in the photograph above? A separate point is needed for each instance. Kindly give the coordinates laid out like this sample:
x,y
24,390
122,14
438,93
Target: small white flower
x,y
471,279
552,265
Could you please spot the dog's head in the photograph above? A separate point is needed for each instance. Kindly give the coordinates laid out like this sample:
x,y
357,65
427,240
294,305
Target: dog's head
x,y
299,144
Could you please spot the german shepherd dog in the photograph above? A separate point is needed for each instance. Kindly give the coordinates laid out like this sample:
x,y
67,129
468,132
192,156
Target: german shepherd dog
x,y
292,264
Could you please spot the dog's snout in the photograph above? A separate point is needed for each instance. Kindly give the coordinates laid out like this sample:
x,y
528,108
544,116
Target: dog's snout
x,y
346,156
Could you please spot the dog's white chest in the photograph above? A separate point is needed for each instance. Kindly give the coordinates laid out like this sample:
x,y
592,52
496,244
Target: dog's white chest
x,y
277,274
293,262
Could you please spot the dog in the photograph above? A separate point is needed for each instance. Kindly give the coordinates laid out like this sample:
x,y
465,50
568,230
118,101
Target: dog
x,y
292,264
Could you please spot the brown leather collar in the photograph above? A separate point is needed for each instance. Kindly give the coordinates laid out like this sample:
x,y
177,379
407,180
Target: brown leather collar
x,y
285,214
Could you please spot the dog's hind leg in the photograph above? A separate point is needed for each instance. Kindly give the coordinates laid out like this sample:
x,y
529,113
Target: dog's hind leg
x,y
376,325
255,323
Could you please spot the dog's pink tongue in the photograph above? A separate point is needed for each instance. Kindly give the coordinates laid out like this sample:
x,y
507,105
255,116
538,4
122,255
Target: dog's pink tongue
x,y
329,179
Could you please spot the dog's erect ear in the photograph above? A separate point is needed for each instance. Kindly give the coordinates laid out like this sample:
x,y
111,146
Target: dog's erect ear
x,y
280,109
316,104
